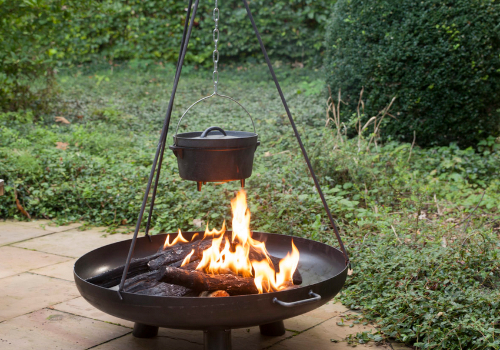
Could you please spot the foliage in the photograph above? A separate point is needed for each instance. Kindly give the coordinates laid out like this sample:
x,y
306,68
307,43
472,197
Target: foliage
x,y
440,59
152,30
26,72
421,225
429,294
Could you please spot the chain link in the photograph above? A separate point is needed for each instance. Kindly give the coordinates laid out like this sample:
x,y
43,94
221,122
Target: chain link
x,y
215,54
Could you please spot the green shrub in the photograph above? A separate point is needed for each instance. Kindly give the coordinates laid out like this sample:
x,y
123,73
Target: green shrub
x,y
152,29
440,58
26,62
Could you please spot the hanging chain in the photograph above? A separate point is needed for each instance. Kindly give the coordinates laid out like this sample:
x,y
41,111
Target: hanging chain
x,y
215,54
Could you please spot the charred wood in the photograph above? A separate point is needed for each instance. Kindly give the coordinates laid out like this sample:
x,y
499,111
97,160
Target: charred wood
x,y
179,252
200,281
167,290
139,266
112,277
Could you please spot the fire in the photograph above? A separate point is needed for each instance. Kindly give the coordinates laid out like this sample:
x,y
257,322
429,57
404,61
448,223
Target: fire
x,y
177,239
233,256
187,258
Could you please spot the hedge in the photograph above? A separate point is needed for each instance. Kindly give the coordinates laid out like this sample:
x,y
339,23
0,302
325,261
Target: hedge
x,y
441,59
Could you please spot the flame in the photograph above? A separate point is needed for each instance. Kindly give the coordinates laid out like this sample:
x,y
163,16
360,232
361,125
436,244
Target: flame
x,y
177,239
187,258
233,256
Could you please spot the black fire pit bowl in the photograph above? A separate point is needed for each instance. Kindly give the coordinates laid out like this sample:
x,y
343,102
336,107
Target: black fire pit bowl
x,y
323,270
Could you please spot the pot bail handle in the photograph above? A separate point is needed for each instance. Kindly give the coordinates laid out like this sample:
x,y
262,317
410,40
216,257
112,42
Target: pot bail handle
x,y
206,98
212,128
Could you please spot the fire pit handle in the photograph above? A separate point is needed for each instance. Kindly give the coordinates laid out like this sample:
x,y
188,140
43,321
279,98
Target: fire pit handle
x,y
315,297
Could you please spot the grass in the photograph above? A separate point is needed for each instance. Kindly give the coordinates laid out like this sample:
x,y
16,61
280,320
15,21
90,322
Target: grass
x,y
421,225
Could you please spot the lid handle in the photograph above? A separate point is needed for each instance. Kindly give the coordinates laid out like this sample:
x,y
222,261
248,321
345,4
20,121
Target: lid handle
x,y
212,128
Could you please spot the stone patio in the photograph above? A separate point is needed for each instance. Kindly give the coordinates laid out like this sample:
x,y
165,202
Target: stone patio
x,y
40,307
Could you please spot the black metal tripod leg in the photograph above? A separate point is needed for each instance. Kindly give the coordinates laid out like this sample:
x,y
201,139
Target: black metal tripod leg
x,y
162,137
297,135
144,331
163,141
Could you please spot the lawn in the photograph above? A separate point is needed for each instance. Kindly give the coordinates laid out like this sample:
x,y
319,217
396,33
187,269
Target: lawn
x,y
421,225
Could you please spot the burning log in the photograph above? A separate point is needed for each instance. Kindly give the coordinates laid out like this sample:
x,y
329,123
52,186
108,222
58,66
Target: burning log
x,y
139,266
200,281
178,253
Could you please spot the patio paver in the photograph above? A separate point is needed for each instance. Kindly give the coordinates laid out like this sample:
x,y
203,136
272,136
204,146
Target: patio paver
x,y
28,292
15,231
73,243
16,260
62,270
81,307
51,329
320,337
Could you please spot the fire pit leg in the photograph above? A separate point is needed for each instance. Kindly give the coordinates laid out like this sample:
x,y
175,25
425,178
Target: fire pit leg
x,y
274,329
144,331
217,339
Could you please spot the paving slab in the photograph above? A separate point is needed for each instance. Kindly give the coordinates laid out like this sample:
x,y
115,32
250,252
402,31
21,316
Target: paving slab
x,y
242,339
320,337
79,306
73,243
16,260
62,270
129,342
14,231
250,339
311,319
51,329
28,292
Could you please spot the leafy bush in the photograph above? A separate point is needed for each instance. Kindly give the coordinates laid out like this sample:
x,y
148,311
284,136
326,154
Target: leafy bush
x,y
440,58
427,293
152,30
26,74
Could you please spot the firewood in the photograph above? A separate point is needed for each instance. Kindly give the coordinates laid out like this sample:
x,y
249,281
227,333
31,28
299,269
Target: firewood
x,y
138,266
178,252
142,281
166,290
216,294
112,277
200,281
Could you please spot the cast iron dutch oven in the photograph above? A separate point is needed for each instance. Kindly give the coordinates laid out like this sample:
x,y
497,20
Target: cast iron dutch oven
x,y
215,155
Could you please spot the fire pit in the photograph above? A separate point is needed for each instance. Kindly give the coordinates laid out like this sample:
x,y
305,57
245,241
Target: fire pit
x,y
213,281
322,267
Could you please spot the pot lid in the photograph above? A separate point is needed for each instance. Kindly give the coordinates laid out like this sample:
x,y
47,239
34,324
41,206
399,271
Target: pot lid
x,y
215,137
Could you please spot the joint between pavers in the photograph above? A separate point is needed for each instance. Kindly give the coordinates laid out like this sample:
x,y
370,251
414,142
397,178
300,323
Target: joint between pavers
x,y
39,274
45,235
174,338
110,340
89,318
297,332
